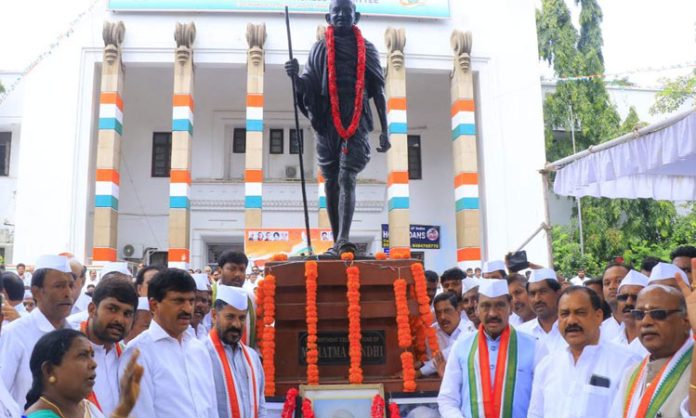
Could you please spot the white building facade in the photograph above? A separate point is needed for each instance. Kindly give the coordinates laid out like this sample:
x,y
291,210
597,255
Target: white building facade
x,y
52,116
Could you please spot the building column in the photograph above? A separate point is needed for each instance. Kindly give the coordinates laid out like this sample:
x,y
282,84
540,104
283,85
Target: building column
x,y
466,179
182,138
253,173
109,146
397,157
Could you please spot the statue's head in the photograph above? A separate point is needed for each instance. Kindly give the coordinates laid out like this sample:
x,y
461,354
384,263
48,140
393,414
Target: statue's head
x,y
342,15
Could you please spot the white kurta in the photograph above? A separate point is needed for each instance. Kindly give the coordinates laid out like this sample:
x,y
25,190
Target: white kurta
x,y
8,406
553,340
106,386
16,344
76,319
177,379
562,386
515,320
634,346
199,333
445,342
610,329
241,377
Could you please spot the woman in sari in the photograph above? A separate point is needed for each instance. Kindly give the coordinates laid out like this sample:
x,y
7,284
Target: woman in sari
x,y
63,368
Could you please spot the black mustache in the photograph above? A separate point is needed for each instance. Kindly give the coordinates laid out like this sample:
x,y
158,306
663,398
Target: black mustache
x,y
628,308
116,326
230,329
493,319
573,327
184,315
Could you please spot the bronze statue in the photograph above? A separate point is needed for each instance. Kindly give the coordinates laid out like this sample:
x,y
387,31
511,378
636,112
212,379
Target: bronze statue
x,y
341,74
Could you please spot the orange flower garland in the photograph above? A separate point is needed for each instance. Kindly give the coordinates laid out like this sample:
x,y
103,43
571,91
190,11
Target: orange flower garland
x,y
404,335
400,253
424,305
418,331
268,349
380,255
355,373
259,314
347,256
311,274
279,257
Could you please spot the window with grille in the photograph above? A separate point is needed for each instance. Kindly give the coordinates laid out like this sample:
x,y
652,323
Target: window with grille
x,y
415,170
239,141
161,154
276,141
294,143
5,142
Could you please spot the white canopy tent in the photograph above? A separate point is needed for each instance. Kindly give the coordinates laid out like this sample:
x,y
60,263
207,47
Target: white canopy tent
x,y
656,162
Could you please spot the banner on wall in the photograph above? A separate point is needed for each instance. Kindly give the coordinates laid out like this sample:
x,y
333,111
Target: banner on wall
x,y
260,244
405,8
423,237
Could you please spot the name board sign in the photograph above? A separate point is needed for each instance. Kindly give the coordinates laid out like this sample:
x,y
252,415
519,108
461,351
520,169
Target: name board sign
x,y
405,8
423,237
333,348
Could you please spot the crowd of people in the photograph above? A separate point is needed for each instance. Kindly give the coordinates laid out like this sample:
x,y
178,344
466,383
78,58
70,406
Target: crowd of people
x,y
171,343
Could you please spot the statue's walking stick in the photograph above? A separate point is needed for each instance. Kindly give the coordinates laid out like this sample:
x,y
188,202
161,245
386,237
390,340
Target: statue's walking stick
x,y
300,141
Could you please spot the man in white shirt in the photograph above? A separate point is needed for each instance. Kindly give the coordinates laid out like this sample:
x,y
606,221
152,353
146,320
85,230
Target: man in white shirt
x,y
24,275
109,270
52,287
13,290
79,273
469,300
204,296
494,269
582,379
476,358
626,299
176,381
611,279
110,319
232,266
449,326
659,385
580,278
521,309
543,288
237,369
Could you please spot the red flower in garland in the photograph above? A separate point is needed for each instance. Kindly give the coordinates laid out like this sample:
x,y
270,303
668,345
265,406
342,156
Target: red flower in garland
x,y
359,83
289,405
307,411
394,410
377,410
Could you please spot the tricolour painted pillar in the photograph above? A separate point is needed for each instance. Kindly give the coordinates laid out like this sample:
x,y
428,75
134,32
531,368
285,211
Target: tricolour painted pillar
x,y
397,157
253,173
466,179
182,141
109,147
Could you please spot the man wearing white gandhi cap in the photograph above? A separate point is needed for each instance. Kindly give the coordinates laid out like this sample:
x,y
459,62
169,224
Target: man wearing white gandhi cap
x,y
626,299
475,359
237,370
665,273
204,296
543,289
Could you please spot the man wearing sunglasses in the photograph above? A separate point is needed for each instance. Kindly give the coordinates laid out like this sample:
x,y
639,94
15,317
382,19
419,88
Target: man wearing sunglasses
x,y
611,279
582,379
629,288
658,384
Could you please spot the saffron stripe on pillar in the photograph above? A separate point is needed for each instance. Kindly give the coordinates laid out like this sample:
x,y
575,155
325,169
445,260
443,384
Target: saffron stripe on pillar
x,y
397,158
253,160
321,194
179,255
466,176
110,129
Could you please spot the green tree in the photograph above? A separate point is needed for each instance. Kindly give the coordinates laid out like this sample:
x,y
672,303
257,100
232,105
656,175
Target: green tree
x,y
631,228
675,93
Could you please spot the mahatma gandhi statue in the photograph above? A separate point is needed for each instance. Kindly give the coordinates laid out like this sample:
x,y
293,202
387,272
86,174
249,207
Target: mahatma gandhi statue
x,y
340,77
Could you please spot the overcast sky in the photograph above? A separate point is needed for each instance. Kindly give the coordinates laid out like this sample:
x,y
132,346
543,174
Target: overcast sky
x,y
647,33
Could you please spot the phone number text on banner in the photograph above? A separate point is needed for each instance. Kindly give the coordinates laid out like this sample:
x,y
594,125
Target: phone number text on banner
x,y
406,8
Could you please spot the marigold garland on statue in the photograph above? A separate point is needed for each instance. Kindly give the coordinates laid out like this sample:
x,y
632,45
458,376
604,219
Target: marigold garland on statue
x,y
307,411
355,374
380,255
268,350
377,410
404,334
418,331
333,88
289,405
409,371
424,305
400,253
311,274
279,257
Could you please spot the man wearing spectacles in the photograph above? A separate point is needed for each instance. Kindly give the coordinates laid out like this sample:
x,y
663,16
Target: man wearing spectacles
x,y
626,299
658,385
582,379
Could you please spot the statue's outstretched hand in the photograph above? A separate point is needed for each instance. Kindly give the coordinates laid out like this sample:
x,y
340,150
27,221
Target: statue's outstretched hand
x,y
292,68
384,143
